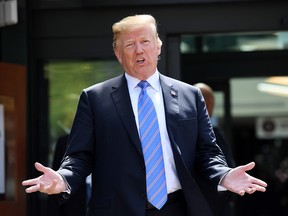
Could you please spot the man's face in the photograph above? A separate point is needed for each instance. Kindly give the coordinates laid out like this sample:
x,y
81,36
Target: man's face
x,y
138,51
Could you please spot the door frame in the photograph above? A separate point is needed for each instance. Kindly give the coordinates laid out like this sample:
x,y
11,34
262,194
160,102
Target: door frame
x,y
13,86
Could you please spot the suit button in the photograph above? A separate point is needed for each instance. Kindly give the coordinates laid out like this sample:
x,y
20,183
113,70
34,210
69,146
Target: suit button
x,y
142,167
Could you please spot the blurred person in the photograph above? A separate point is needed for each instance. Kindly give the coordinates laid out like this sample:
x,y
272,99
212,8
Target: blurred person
x,y
221,139
221,203
176,135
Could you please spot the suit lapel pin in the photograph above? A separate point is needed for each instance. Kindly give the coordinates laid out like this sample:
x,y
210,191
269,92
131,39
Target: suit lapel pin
x,y
173,93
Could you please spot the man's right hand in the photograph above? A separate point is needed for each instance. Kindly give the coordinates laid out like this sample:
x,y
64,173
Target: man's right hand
x,y
51,182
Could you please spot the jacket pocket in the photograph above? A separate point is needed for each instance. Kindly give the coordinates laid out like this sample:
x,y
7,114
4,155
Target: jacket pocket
x,y
187,121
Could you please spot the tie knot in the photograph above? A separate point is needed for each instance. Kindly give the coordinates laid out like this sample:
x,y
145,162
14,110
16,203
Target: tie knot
x,y
143,84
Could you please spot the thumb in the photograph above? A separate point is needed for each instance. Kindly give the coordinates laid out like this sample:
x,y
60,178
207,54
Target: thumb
x,y
249,166
40,167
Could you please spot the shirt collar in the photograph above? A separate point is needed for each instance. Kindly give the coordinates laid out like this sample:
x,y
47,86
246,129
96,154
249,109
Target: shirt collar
x,y
153,81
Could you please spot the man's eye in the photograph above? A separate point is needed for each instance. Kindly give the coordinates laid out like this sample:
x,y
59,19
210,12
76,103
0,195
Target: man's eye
x,y
129,45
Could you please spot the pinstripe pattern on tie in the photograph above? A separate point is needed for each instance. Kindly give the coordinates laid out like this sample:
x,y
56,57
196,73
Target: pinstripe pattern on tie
x,y
152,149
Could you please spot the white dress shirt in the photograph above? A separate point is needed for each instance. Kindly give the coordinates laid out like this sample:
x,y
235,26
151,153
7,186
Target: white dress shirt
x,y
155,93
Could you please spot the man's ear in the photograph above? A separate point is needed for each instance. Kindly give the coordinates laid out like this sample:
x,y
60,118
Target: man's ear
x,y
118,55
159,45
159,50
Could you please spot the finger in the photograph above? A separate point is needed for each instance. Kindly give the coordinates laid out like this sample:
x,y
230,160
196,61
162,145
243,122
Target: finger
x,y
41,187
40,167
250,190
259,182
52,188
249,166
259,188
30,182
48,189
32,189
241,192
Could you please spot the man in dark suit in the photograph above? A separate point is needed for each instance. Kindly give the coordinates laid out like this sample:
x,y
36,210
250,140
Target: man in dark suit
x,y
107,138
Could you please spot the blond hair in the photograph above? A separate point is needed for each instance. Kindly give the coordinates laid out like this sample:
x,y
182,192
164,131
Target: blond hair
x,y
134,22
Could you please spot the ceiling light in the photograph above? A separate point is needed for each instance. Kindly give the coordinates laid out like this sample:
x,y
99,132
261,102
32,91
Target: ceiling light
x,y
275,86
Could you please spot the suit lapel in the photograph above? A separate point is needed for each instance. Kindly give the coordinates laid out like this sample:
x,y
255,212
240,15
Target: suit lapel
x,y
121,98
170,97
190,187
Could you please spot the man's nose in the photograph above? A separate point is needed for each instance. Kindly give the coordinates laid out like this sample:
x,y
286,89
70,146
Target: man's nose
x,y
139,48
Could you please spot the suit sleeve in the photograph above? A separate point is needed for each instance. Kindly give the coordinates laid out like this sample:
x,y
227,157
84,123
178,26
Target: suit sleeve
x,y
78,160
210,160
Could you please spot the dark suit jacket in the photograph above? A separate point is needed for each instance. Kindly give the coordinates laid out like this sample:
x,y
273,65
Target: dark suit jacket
x,y
104,140
221,203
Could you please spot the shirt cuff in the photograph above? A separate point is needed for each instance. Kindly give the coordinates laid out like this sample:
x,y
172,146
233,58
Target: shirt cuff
x,y
68,188
220,187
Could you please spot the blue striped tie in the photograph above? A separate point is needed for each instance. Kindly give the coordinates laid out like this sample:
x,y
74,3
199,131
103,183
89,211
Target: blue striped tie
x,y
152,149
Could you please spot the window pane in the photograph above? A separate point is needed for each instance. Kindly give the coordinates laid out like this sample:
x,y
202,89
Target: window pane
x,y
249,100
235,42
8,148
66,81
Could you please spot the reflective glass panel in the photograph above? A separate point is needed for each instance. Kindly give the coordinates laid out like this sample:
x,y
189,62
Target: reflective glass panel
x,y
234,42
66,81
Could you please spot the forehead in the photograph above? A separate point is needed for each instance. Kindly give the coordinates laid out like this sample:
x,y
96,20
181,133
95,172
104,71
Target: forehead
x,y
137,33
141,32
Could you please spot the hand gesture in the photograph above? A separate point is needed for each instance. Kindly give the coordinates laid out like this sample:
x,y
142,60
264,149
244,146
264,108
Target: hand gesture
x,y
239,182
51,182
